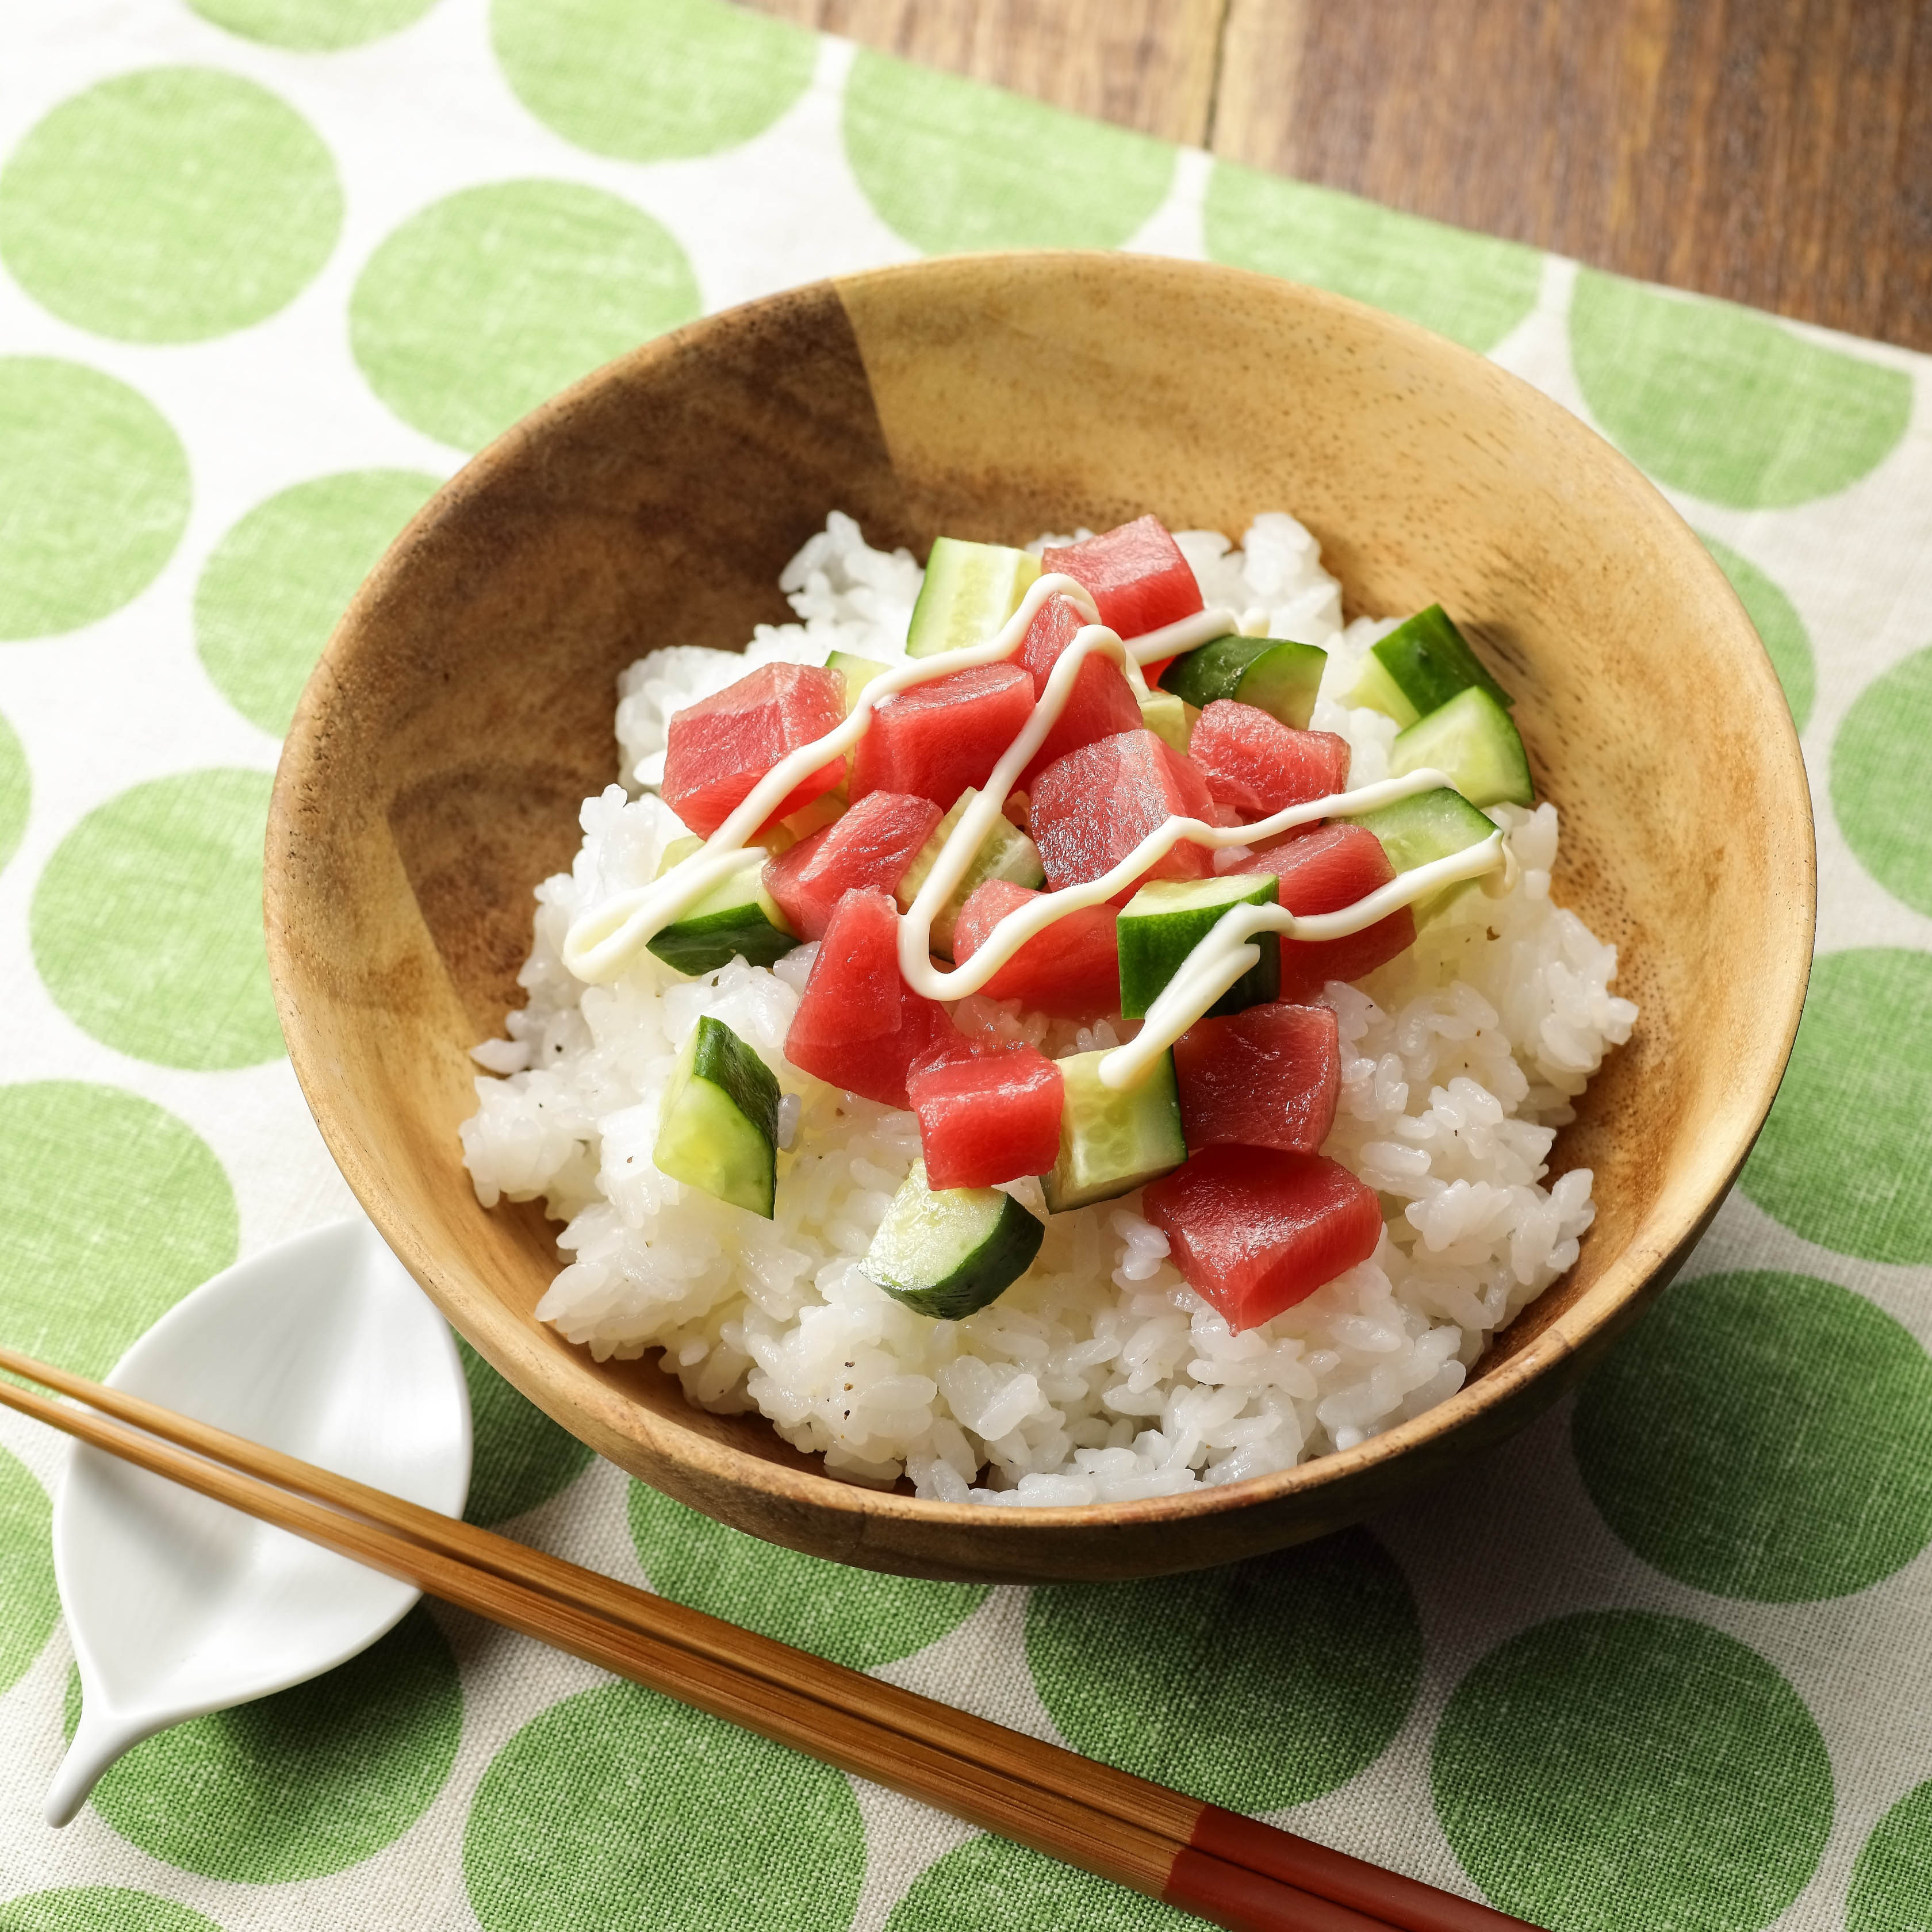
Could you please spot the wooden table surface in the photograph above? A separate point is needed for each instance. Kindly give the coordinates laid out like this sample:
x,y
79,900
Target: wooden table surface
x,y
1778,152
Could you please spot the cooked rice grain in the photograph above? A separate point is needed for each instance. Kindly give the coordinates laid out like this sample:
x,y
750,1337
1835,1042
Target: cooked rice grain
x,y
1101,1376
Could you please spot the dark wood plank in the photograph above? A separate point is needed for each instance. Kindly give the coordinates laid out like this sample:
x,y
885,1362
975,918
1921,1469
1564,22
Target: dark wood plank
x,y
1144,63
1764,150
1776,152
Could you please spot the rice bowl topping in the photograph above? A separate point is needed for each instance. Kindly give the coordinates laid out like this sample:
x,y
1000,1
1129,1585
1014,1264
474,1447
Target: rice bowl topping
x,y
1099,1376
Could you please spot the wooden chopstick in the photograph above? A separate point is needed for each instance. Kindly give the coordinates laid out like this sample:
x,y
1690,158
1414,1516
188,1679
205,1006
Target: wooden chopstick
x,y
1060,1824
1197,1852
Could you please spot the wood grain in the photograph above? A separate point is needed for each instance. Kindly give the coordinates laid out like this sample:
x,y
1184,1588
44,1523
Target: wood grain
x,y
425,787
1777,152
1235,1871
1145,64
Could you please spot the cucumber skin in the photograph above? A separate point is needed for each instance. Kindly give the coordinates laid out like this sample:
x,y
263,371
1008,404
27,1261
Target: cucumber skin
x,y
1274,674
1430,661
734,1078
696,947
1157,1102
727,1062
1493,768
1154,943
712,935
992,1267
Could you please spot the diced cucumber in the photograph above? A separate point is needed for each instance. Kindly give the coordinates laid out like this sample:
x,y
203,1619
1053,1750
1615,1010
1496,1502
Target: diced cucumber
x,y
857,672
1429,661
820,813
1005,853
738,919
719,1128
1166,717
1473,742
1417,831
1166,919
1274,674
970,589
1430,826
946,1252
1112,1143
1376,691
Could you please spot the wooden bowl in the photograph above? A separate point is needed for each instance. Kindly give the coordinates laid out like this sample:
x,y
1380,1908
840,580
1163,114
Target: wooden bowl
x,y
463,710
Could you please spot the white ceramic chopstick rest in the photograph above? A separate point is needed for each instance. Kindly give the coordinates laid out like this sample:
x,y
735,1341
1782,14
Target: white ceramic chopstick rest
x,y
177,1606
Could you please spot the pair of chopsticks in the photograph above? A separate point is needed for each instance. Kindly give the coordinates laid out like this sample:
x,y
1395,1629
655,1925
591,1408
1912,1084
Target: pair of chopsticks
x,y
1235,1873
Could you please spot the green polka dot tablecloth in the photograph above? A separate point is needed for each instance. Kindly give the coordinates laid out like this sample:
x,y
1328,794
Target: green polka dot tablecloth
x,y
269,271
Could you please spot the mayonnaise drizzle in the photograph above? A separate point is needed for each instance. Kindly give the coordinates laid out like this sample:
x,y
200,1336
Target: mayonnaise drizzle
x,y
602,941
1229,950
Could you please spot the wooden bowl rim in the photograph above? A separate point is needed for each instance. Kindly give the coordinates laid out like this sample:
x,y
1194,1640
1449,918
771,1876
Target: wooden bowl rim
x,y
1676,1220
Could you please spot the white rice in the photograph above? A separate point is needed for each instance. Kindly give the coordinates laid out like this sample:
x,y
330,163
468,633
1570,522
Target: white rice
x,y
1101,1376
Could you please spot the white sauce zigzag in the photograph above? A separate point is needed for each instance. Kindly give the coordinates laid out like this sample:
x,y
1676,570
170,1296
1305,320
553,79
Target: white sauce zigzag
x,y
602,942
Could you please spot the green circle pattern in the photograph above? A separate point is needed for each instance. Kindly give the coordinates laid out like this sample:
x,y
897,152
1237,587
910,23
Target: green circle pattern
x,y
1786,641
99,1908
312,26
1728,405
1474,289
28,1602
1256,1686
15,792
1845,1157
857,1618
272,592
484,304
308,1782
94,495
1766,1436
1878,780
1891,1882
1762,1436
619,1810
1617,1768
169,205
950,165
147,922
991,1885
521,1457
111,1210
676,78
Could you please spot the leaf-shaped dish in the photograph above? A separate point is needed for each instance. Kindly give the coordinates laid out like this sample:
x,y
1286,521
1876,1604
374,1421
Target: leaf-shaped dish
x,y
323,1347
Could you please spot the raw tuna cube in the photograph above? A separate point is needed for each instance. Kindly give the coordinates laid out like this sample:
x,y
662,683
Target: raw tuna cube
x,y
937,739
1139,578
717,749
1102,702
1071,972
1259,765
1331,868
1254,1232
1267,1077
986,1118
1090,808
870,846
858,1026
